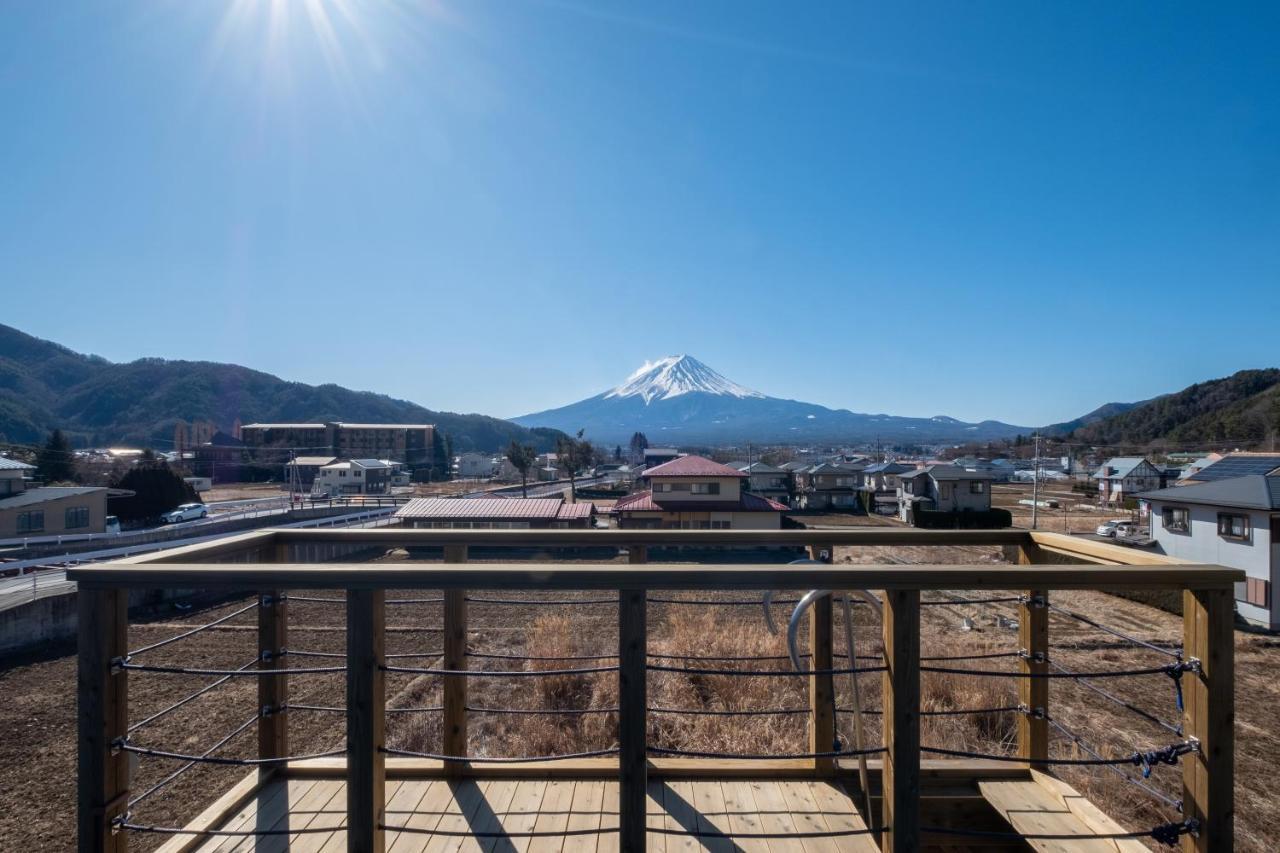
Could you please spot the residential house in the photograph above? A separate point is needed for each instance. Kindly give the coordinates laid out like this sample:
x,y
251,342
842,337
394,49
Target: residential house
x,y
475,466
47,510
1123,476
306,468
943,488
883,476
831,485
353,477
768,481
1230,522
694,493
499,513
654,456
1236,465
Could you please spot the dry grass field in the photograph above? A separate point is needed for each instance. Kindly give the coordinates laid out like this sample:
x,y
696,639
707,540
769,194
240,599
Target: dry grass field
x,y
37,754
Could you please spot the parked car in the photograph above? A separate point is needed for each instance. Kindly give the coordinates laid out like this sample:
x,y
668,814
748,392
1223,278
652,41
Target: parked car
x,y
113,524
185,512
1127,529
1108,528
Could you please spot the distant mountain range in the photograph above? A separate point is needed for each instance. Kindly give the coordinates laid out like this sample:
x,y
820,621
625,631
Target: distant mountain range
x,y
677,400
680,400
96,402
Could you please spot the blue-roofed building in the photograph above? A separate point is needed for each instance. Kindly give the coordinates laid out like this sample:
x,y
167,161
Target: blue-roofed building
x,y
1229,522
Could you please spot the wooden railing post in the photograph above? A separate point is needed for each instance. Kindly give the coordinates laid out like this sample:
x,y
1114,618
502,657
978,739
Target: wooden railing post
x,y
273,691
454,687
1208,617
103,717
822,732
1033,691
633,773
900,812
366,719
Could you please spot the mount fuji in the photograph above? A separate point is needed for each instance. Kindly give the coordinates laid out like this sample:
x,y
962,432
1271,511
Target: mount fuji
x,y
680,400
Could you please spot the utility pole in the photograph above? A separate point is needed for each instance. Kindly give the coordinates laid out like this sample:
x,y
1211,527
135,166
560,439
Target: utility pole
x,y
1035,486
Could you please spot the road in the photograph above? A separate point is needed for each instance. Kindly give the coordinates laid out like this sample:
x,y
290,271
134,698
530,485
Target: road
x,y
48,576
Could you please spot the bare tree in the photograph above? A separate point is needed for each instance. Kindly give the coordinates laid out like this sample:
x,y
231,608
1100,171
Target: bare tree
x,y
522,457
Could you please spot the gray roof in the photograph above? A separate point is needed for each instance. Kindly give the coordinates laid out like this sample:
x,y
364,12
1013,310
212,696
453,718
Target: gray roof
x,y
44,494
950,472
7,464
831,468
1237,465
888,468
1252,491
1123,466
759,468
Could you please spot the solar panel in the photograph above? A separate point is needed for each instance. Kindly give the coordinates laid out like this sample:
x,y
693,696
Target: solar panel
x,y
1237,466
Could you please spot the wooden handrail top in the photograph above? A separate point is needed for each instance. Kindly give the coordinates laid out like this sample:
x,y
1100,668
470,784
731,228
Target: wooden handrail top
x,y
421,537
615,576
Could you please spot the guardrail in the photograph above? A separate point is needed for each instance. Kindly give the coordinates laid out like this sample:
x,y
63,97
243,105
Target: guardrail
x,y
1203,667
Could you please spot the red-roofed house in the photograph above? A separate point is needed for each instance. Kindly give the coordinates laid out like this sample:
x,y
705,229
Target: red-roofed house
x,y
694,493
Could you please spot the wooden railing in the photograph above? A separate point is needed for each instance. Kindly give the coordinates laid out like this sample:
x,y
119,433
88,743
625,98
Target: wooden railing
x,y
103,680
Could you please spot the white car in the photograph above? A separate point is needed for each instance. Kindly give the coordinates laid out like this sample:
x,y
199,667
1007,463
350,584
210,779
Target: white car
x,y
1108,528
185,512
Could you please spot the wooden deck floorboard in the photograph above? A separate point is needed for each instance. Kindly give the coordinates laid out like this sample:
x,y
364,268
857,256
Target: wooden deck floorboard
x,y
720,809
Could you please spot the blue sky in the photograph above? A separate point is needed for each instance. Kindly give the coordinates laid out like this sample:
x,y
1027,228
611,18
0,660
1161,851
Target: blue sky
x,y
1006,210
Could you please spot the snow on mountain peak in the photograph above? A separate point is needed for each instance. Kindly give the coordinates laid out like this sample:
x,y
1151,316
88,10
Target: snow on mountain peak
x,y
675,375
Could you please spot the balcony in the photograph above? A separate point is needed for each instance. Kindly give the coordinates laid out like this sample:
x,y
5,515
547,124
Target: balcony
x,y
634,791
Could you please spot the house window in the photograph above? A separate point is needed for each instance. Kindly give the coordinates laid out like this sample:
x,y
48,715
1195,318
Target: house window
x,y
906,486
1257,592
719,525
1176,518
31,522
706,488
1232,526
977,487
75,516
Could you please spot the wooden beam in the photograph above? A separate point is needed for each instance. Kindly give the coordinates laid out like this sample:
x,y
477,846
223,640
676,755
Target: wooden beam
x,y
454,687
612,576
1209,716
869,536
366,718
273,691
1033,692
632,702
900,811
822,691
1091,549
102,689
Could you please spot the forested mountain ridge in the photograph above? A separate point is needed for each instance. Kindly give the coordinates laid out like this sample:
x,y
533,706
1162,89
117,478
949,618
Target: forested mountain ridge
x,y
96,402
1242,409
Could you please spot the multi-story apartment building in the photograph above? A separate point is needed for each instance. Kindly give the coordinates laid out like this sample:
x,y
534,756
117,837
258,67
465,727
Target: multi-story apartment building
x,y
411,444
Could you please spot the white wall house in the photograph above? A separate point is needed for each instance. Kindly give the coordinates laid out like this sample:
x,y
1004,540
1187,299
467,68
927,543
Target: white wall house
x,y
1230,522
1123,476
475,465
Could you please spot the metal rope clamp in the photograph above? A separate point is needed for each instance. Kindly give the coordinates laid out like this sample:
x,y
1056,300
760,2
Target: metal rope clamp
x,y
1036,713
1033,657
1037,601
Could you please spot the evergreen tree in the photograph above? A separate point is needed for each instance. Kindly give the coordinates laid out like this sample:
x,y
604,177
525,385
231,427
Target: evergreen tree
x,y
156,489
638,445
56,461
522,457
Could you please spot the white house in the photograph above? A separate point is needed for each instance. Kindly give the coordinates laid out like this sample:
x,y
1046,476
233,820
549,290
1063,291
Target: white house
x,y
1229,522
475,465
353,477
1122,476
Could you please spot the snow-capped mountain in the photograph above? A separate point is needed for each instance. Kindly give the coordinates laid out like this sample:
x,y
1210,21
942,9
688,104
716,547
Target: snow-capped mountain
x,y
675,375
680,400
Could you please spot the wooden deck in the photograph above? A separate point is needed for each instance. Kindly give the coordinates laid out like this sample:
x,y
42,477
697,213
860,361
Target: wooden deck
x,y
725,812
